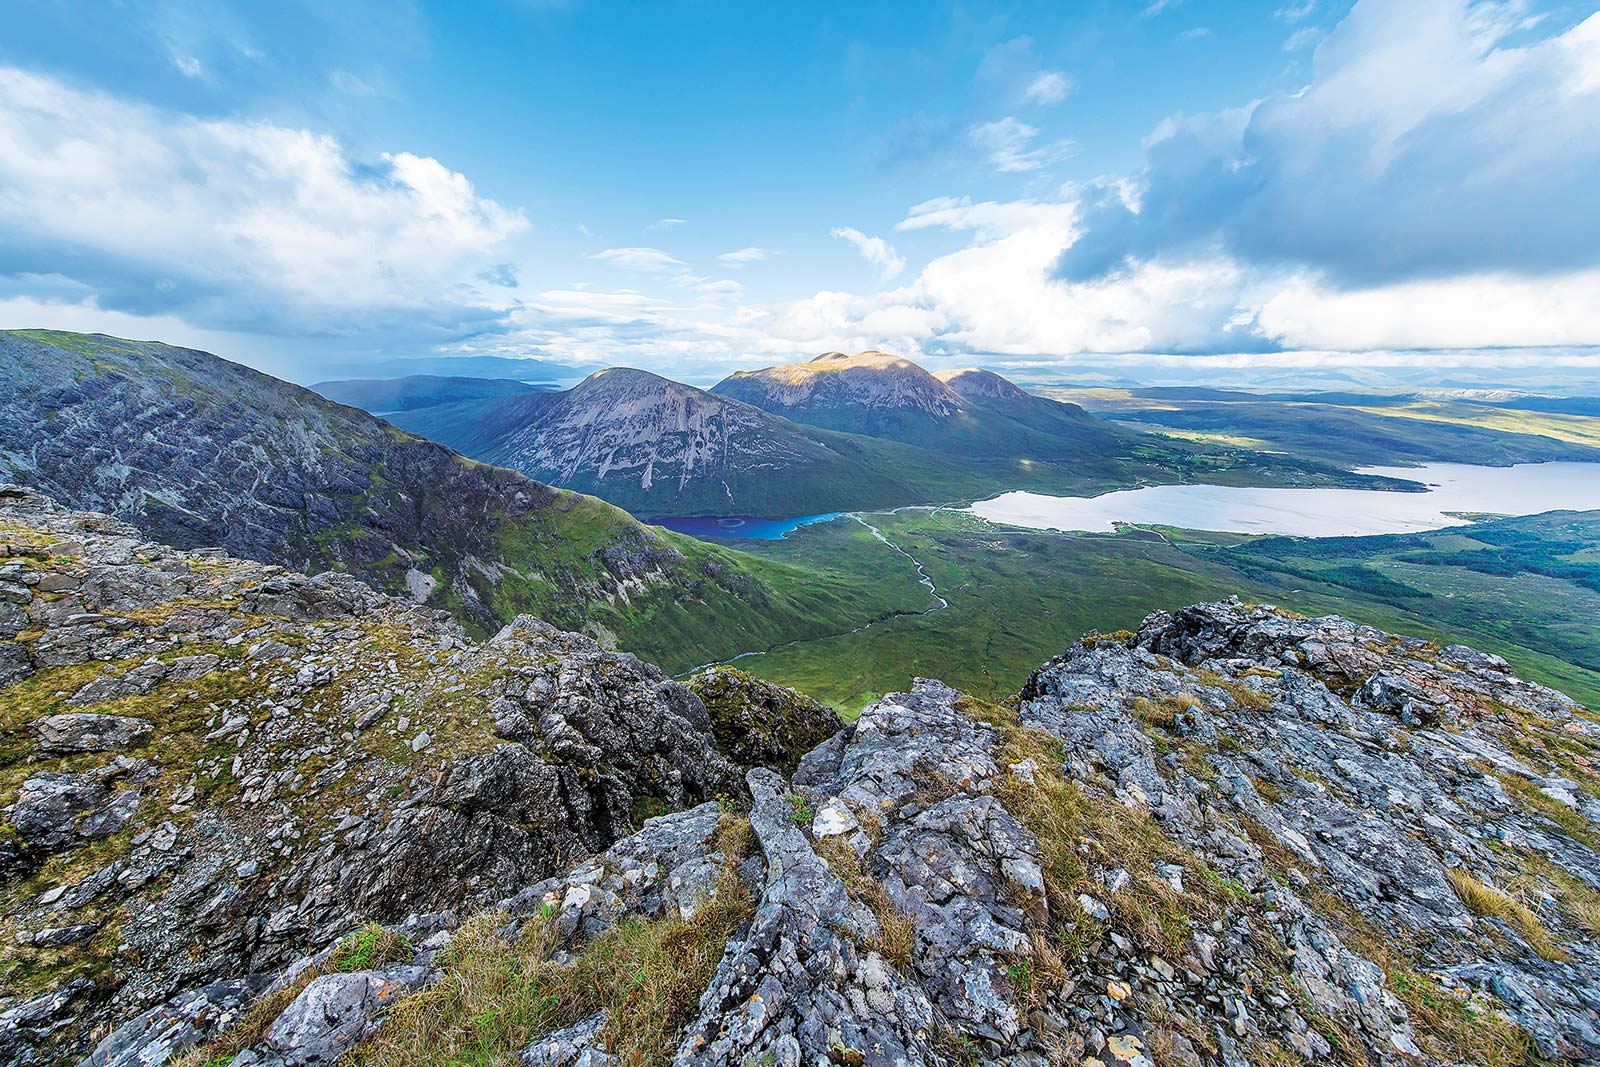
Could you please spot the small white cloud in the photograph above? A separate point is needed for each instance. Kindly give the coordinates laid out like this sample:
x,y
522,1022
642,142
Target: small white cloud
x,y
740,257
1294,12
719,291
1156,7
1050,87
342,81
874,250
1302,37
188,65
1195,34
666,224
1007,143
647,260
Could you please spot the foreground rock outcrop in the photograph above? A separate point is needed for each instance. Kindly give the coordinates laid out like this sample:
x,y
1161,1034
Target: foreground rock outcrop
x,y
1235,836
209,766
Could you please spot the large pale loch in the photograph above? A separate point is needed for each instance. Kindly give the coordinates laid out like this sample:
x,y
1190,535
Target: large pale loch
x,y
1454,491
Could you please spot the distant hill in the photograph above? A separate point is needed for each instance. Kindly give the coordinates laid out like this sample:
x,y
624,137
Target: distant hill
x,y
968,413
197,451
659,448
382,395
510,367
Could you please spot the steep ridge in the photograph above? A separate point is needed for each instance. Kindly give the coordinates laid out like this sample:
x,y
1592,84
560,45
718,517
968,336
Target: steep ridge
x,y
197,451
1235,836
969,412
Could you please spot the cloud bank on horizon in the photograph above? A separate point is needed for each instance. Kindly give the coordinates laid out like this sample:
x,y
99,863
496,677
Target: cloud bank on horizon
x,y
1419,190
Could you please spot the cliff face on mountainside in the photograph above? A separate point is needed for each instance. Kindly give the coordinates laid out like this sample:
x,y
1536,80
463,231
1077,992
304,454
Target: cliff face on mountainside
x,y
258,818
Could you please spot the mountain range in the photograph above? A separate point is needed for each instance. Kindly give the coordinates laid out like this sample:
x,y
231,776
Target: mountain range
x,y
197,451
869,431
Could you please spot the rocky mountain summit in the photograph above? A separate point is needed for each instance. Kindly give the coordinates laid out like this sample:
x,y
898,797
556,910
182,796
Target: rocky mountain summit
x,y
971,412
207,764
263,819
836,382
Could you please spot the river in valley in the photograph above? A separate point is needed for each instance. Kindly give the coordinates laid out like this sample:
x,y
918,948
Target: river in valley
x,y
703,526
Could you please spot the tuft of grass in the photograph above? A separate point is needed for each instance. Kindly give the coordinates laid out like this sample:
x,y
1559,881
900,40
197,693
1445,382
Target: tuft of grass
x,y
735,838
897,936
1488,901
374,945
803,813
497,997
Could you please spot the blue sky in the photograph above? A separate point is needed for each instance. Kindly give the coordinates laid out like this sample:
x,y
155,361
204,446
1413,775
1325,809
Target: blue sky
x,y
1220,191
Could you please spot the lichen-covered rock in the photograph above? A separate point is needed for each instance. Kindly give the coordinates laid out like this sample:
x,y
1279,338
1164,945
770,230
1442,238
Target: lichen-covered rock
x,y
168,1030
804,985
86,732
1307,756
330,1016
759,724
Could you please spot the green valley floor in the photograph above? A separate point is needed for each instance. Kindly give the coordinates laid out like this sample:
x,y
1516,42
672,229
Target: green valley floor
x,y
1526,588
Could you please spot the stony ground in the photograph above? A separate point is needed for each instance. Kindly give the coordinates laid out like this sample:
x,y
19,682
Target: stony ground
x,y
1235,836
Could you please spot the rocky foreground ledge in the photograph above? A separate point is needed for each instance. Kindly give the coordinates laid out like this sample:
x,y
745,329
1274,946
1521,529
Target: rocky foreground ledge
x,y
1235,836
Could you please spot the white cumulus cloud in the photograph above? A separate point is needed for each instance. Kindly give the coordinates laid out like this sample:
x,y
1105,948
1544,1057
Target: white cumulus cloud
x,y
231,222
874,250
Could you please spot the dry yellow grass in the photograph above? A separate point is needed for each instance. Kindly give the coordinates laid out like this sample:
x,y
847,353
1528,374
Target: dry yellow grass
x,y
896,935
1488,901
496,998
